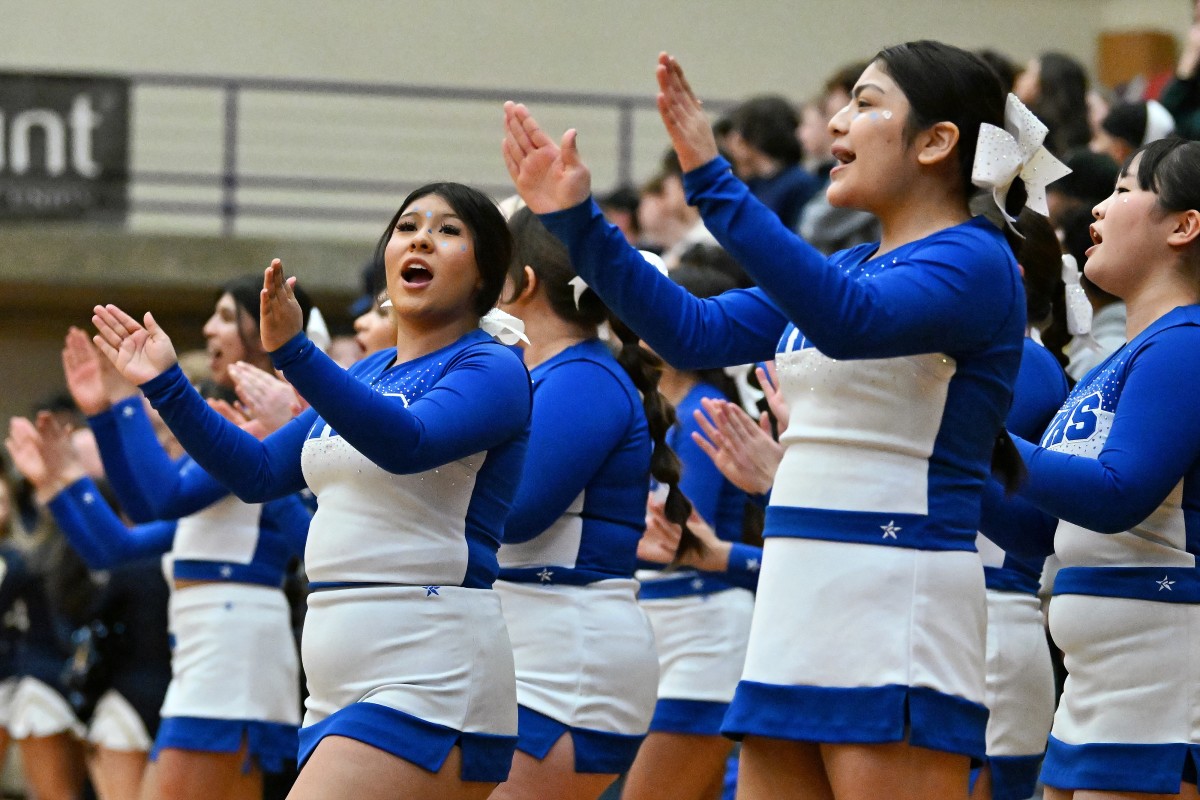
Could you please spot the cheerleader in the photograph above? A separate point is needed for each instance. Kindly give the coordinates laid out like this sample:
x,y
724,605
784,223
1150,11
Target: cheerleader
x,y
233,707
865,670
584,650
1020,678
414,455
1120,466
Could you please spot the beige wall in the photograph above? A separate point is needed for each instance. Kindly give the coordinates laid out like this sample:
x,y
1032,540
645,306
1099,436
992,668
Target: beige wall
x,y
731,48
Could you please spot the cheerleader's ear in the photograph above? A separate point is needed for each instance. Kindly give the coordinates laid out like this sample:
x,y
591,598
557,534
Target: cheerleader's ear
x,y
1187,229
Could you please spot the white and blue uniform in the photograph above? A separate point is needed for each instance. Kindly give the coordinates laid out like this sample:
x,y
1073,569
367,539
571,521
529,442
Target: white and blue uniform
x,y
1120,466
584,650
870,620
1020,678
414,466
222,691
701,620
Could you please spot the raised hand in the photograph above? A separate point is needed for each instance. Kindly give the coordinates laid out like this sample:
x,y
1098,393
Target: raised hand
x,y
768,379
93,381
743,451
43,453
268,400
548,176
281,317
139,352
683,116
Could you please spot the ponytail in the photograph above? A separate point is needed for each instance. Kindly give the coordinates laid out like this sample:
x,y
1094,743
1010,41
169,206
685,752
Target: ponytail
x,y
644,369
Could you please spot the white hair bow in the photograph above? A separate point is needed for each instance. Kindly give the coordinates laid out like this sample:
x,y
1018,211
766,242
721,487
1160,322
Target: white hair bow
x,y
653,259
317,330
503,327
1079,308
1016,150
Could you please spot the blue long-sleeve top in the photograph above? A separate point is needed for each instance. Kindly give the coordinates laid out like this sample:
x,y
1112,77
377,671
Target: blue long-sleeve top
x,y
929,333
1041,388
1119,465
581,504
105,542
218,537
414,465
718,502
99,536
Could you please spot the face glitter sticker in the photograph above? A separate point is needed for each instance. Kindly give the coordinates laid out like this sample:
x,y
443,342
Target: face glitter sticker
x,y
887,114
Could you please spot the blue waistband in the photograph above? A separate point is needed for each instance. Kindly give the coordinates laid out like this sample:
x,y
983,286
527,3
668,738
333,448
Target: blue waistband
x,y
688,584
1160,584
258,574
999,579
562,576
326,586
911,531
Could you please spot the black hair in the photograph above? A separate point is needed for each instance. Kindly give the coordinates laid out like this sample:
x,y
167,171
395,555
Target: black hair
x,y
1045,300
246,290
1002,65
1041,260
1091,179
1127,121
1170,168
538,249
1062,103
943,83
493,243
768,124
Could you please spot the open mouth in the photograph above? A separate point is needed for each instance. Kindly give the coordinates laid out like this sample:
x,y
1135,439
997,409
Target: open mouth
x,y
415,274
1095,234
843,155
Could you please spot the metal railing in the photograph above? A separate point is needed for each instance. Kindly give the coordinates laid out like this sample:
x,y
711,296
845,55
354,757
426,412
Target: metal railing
x,y
248,173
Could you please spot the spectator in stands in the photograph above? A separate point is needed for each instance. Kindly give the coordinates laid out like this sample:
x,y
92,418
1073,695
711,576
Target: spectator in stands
x,y
1055,87
766,155
1182,95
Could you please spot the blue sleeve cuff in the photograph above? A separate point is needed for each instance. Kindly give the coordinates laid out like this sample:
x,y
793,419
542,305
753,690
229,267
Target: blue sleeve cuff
x,y
162,385
291,351
699,179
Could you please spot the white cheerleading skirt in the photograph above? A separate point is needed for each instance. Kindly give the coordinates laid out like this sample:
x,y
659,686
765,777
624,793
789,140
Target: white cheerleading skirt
x,y
233,654
116,725
585,662
1129,716
858,643
1020,693
413,671
701,641
37,710
234,673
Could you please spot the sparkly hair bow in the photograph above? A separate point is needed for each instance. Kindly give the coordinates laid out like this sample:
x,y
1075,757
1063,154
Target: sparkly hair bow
x,y
1003,155
503,327
653,259
1079,308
